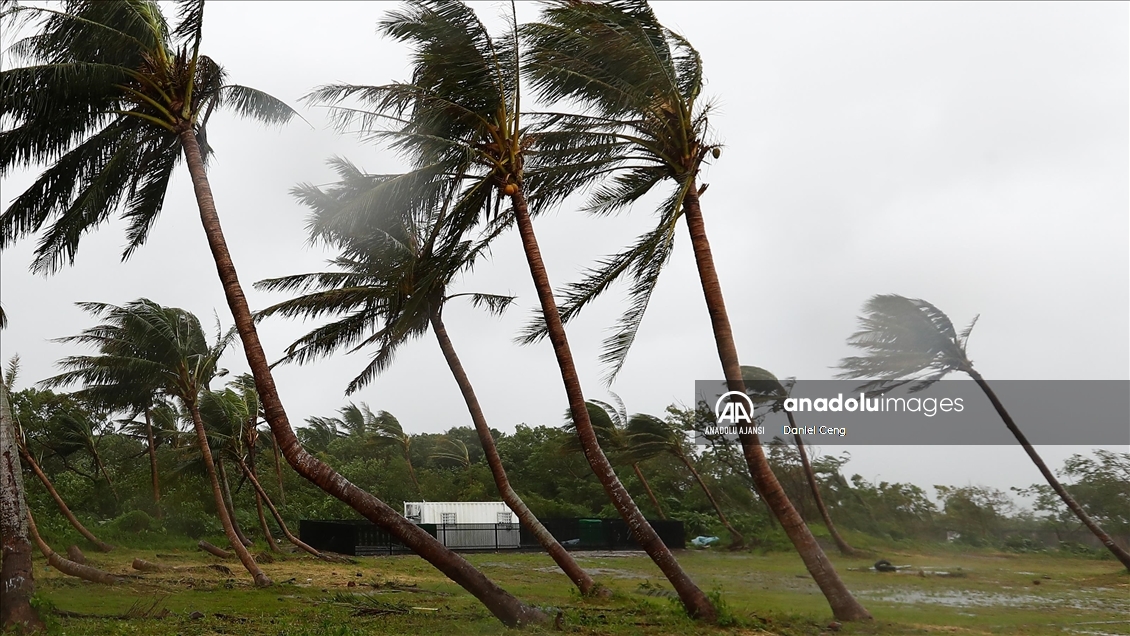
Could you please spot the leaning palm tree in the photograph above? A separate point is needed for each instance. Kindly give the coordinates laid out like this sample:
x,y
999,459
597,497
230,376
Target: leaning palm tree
x,y
610,423
144,339
111,97
912,342
764,388
394,284
460,117
644,119
649,436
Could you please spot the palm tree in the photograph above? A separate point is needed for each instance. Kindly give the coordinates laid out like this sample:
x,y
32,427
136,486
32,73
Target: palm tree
x,y
610,423
17,576
393,286
640,85
765,388
112,96
649,436
460,117
145,339
910,341
159,427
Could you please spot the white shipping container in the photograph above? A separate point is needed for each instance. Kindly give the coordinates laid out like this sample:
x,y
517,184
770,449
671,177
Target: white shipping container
x,y
453,512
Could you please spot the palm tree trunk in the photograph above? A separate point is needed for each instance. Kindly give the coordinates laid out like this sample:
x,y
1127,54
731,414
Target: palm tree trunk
x,y
508,609
259,502
102,469
845,549
736,538
225,488
261,579
17,576
66,566
844,606
153,463
411,469
560,556
99,543
275,513
1094,527
278,470
647,487
694,600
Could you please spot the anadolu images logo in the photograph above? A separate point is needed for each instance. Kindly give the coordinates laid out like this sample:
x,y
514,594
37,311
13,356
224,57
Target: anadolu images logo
x,y
734,408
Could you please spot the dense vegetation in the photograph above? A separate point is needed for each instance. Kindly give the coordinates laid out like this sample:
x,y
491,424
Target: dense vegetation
x,y
98,465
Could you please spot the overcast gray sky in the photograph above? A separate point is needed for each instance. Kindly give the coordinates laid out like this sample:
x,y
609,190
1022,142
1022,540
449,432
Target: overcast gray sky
x,y
971,154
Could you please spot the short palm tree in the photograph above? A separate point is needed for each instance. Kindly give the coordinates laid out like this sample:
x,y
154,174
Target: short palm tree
x,y
649,436
610,421
392,286
910,341
460,116
645,120
112,97
765,389
143,338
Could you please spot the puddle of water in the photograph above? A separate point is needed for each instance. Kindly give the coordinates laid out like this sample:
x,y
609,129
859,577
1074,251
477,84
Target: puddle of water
x,y
967,599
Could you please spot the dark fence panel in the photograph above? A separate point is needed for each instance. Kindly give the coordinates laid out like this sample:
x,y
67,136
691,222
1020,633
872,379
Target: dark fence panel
x,y
605,534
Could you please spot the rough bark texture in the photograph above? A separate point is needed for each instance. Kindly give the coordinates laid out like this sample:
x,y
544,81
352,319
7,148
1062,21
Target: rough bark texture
x,y
17,582
844,606
810,476
694,600
647,488
66,566
142,565
736,538
508,609
560,556
1095,528
76,555
214,550
275,513
63,508
153,463
245,557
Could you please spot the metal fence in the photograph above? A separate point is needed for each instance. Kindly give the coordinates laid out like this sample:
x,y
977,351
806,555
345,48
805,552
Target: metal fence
x,y
362,538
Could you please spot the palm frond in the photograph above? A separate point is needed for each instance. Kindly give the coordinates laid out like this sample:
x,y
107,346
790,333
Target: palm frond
x,y
907,341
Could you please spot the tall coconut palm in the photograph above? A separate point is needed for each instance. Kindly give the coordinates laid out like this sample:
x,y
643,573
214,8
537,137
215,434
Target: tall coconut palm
x,y
393,282
645,121
17,576
111,98
910,341
143,338
764,388
461,115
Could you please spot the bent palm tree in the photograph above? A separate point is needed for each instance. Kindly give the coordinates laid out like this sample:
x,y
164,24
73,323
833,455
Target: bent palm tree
x,y
394,286
144,339
461,116
610,423
640,85
112,97
649,436
910,341
764,387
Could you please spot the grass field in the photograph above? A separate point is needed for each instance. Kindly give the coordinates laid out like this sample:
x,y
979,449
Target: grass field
x,y
945,592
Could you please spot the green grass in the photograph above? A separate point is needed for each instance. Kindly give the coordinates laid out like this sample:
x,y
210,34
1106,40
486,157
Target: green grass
x,y
992,593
